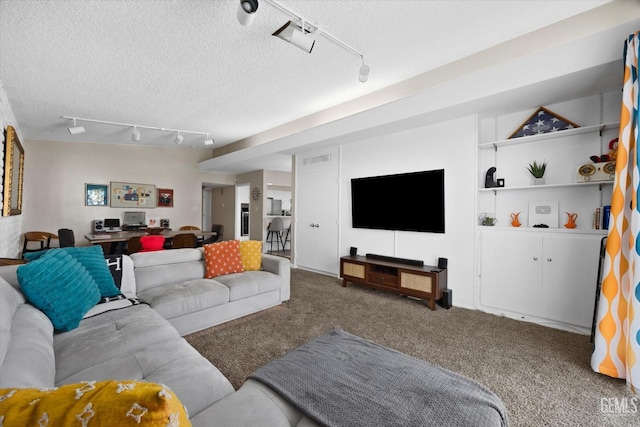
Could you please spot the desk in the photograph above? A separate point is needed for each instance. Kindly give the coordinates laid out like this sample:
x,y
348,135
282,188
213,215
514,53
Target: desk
x,y
105,239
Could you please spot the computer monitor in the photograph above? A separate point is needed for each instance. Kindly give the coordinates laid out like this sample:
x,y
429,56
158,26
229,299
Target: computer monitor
x,y
112,223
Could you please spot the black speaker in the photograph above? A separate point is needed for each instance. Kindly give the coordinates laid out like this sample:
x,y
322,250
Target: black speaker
x,y
442,263
98,225
164,223
447,298
353,251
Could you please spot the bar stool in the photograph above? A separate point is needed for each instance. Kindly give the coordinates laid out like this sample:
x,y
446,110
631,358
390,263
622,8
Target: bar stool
x,y
274,231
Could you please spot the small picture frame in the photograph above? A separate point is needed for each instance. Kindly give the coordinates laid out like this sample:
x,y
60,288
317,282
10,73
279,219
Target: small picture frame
x,y
96,194
165,198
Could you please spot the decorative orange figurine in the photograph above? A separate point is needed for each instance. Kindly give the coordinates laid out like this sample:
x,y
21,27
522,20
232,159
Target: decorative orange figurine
x,y
514,220
571,220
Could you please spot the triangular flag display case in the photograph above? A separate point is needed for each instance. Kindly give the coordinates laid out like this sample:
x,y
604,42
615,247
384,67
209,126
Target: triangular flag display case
x,y
542,121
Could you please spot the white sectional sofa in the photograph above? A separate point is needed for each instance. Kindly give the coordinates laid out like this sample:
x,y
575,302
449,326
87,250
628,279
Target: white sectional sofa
x,y
123,339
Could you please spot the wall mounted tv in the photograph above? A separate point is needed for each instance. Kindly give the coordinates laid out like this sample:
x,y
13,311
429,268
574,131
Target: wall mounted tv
x,y
408,201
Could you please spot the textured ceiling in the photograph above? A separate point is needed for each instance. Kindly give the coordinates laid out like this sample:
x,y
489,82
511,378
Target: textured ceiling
x,y
190,65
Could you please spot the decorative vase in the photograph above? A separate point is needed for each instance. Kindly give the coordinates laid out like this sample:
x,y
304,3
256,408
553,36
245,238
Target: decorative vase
x,y
515,222
538,181
571,220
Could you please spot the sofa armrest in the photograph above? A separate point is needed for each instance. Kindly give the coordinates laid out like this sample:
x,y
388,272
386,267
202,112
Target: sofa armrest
x,y
282,267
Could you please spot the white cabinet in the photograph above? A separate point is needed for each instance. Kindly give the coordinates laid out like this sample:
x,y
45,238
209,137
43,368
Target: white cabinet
x,y
547,275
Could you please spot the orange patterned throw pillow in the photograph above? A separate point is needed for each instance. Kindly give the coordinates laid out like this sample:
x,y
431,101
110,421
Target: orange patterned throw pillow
x,y
222,258
251,254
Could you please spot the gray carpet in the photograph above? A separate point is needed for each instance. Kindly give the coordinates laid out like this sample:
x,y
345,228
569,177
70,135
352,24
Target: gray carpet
x,y
541,374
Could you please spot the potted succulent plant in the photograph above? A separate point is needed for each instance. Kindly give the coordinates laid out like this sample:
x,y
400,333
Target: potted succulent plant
x,y
537,170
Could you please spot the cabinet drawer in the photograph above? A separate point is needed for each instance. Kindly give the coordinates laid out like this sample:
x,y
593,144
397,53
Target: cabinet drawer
x,y
353,270
383,279
416,282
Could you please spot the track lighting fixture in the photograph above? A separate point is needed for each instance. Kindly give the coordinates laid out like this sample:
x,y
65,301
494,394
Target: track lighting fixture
x,y
246,11
364,72
301,35
135,134
297,35
75,129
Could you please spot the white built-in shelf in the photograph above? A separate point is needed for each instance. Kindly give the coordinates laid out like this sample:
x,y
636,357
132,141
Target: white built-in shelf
x,y
550,135
544,186
560,229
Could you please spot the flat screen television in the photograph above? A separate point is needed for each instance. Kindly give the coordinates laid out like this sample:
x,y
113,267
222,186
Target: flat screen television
x,y
408,201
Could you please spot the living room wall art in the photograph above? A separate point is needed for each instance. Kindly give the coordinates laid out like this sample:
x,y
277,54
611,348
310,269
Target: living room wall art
x,y
542,121
165,197
13,173
130,195
96,195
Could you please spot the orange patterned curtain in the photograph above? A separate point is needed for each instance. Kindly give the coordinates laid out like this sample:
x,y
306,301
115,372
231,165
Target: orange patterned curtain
x,y
617,338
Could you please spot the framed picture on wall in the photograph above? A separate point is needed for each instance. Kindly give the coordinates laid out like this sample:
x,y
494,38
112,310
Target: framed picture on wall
x,y
165,197
96,195
130,195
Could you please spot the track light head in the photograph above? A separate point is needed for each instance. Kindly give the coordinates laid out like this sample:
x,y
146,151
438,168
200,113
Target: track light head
x,y
75,129
296,35
179,139
246,11
364,73
135,134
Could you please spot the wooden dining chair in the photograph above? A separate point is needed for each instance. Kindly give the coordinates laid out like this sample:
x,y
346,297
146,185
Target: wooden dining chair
x,y
199,240
41,237
133,245
184,240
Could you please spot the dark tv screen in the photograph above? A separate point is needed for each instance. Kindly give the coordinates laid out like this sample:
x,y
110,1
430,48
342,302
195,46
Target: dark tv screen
x,y
409,202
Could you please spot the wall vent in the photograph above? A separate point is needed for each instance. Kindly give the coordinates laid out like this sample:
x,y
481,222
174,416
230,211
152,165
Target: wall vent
x,y
317,159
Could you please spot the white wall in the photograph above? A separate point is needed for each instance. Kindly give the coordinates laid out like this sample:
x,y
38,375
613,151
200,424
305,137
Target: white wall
x,y
10,226
56,172
424,148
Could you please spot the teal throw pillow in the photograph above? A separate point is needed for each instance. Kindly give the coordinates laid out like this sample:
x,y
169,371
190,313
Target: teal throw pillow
x,y
60,287
92,258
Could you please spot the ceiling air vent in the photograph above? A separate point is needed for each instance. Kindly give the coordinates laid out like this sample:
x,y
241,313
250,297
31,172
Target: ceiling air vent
x,y
317,159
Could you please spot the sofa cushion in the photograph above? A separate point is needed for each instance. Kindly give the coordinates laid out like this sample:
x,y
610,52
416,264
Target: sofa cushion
x,y
10,300
60,286
159,268
112,402
92,258
222,258
29,359
186,297
137,343
251,254
249,283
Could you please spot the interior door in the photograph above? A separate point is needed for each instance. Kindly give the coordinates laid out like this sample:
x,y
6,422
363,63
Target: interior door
x,y
317,204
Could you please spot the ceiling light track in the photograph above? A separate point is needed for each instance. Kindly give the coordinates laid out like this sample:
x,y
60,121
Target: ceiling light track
x,y
302,29
135,133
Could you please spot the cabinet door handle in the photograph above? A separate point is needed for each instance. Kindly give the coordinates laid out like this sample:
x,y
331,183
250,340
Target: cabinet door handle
x,y
315,225
549,259
535,258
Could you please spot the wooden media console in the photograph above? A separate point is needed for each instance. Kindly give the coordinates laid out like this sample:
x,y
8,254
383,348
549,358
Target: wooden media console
x,y
424,281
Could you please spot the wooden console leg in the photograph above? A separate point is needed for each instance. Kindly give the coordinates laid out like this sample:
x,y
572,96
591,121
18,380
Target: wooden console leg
x,y
344,283
432,304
